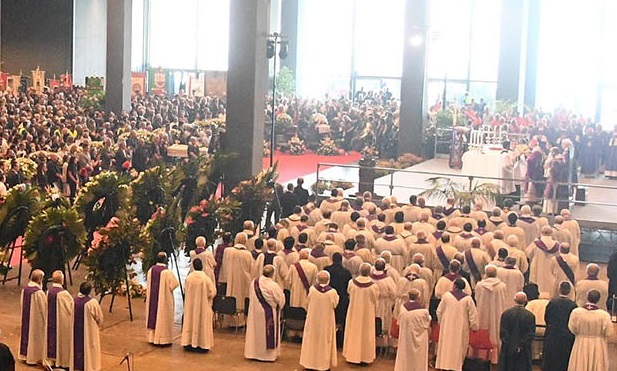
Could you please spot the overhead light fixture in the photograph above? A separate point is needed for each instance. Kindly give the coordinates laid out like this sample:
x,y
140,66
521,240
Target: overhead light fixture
x,y
283,50
271,50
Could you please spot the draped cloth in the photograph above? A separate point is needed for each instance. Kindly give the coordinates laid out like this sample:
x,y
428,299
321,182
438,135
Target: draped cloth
x,y
262,340
33,324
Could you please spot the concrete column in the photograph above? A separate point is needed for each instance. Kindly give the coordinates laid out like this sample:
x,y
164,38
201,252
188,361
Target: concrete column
x,y
89,40
118,70
247,80
510,50
531,68
413,80
289,28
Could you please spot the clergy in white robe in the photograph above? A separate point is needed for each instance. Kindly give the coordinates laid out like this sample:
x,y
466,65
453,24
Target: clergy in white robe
x,y
387,294
412,281
199,289
540,252
491,301
319,338
33,320
396,245
351,261
446,282
513,278
574,228
319,257
301,276
87,323
457,314
263,330
59,322
591,327
237,265
271,257
414,321
564,267
206,257
592,282
359,343
160,302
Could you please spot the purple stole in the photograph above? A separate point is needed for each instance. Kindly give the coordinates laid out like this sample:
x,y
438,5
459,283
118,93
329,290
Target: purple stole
x,y
79,327
452,277
219,259
448,212
481,231
466,235
332,200
509,267
271,338
378,230
422,241
458,294
322,289
437,216
411,277
590,306
318,253
269,258
348,254
25,318
590,278
538,242
371,217
390,238
472,265
51,320
526,219
287,252
300,246
445,263
565,268
377,277
495,222
155,285
255,254
437,234
362,285
301,227
199,250
302,275
412,305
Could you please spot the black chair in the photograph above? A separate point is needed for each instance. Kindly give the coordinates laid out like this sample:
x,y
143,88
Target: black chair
x,y
381,336
247,302
225,305
221,288
287,294
294,319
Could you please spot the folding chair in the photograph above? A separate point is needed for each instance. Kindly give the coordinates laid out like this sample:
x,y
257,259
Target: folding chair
x,y
225,305
381,337
294,319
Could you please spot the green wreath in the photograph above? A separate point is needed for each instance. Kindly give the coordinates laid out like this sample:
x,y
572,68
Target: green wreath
x,y
54,237
102,198
160,234
20,206
149,192
108,258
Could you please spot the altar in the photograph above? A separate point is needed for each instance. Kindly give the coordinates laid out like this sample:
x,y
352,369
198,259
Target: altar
x,y
482,163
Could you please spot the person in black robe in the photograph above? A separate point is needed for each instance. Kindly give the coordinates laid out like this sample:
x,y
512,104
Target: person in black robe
x,y
612,279
517,329
558,340
339,278
589,153
7,360
288,201
301,193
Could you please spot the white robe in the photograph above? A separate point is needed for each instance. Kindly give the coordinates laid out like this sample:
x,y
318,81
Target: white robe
x,y
491,301
162,333
197,329
280,268
404,286
456,318
583,286
514,280
319,338
37,326
207,260
359,342
93,322
539,272
237,263
386,298
559,274
591,329
297,290
255,341
444,284
64,335
412,351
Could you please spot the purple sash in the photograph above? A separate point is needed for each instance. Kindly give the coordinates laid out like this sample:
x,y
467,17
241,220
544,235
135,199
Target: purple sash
x,y
466,235
271,338
322,289
452,277
79,332
378,277
422,241
438,234
412,305
25,318
495,222
219,259
565,268
300,246
458,294
509,267
378,230
590,306
301,227
287,252
481,231
318,253
302,275
269,258
472,266
437,216
591,278
348,254
390,238
155,277
362,285
199,250
538,242
52,296
527,219
448,212
445,263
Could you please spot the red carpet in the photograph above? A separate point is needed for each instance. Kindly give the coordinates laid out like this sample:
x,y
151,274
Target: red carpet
x,y
291,167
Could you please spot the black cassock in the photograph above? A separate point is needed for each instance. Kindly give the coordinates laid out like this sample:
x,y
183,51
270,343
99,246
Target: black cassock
x,y
339,279
558,340
518,327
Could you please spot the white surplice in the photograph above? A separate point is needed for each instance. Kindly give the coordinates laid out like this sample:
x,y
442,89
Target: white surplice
x,y
412,353
591,329
64,321
255,341
297,290
37,326
491,302
319,338
237,263
359,342
93,322
162,333
207,260
514,280
197,329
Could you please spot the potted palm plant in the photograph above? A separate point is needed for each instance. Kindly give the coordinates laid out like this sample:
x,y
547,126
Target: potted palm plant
x,y
443,188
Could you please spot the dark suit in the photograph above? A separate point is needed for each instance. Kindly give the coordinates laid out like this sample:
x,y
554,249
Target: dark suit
x,y
339,279
558,340
518,327
302,195
288,202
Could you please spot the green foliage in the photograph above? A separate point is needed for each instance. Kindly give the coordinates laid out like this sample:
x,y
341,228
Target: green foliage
x,y
444,188
285,83
102,198
20,206
149,192
444,118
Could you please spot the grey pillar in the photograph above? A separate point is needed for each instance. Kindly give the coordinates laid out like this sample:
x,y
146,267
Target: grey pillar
x,y
531,67
247,80
510,50
413,80
289,28
118,70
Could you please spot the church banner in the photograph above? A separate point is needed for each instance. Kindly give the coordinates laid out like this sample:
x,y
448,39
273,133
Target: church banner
x,y
53,84
95,85
66,81
4,80
216,83
157,80
138,83
196,84
38,80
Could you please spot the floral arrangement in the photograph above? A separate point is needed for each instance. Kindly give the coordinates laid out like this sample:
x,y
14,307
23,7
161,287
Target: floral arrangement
x,y
266,148
369,156
53,238
252,196
110,253
35,156
340,184
283,121
323,186
28,167
148,192
328,147
146,135
202,219
135,289
53,199
402,162
159,234
319,118
101,198
20,205
296,146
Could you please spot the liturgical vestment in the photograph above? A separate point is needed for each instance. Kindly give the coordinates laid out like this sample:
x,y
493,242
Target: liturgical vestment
x,y
59,323
591,328
33,324
359,343
319,338
197,329
160,304
414,321
86,345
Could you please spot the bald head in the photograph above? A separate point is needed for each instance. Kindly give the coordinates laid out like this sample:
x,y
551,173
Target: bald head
x,y
268,271
323,278
546,231
37,276
559,220
200,241
490,271
414,268
386,256
498,235
520,298
512,240
57,277
240,239
421,235
418,258
475,243
593,270
271,244
304,254
365,269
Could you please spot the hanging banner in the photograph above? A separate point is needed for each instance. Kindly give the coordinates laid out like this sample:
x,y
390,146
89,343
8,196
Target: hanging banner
x,y
95,85
13,83
53,84
4,81
38,80
66,81
216,83
196,85
158,78
138,83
